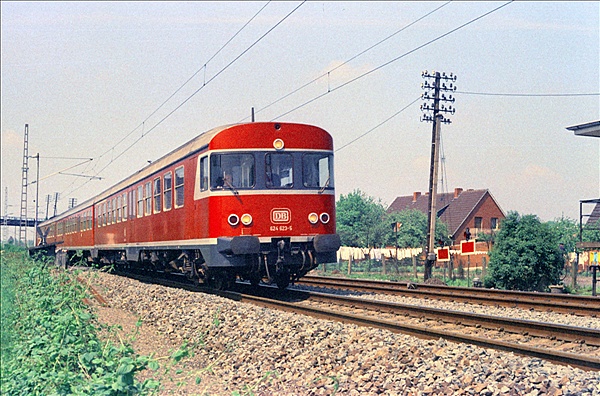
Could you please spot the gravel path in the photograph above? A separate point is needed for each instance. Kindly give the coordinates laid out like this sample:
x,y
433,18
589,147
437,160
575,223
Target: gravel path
x,y
247,350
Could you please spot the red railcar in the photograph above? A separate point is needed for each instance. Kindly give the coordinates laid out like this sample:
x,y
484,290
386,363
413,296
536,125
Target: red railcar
x,y
252,200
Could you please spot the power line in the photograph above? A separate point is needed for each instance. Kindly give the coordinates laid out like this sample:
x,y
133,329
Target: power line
x,y
378,125
351,59
189,97
396,59
204,85
528,95
142,124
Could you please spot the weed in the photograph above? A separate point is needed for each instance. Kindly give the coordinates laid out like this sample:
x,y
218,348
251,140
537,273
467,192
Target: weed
x,y
52,343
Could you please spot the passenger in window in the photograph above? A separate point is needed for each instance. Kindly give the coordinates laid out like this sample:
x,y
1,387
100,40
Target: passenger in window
x,y
226,180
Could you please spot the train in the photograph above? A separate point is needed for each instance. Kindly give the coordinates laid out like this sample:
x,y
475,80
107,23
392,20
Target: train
x,y
254,201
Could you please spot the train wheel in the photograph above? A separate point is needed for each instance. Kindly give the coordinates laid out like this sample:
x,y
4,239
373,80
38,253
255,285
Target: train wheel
x,y
221,280
254,280
282,279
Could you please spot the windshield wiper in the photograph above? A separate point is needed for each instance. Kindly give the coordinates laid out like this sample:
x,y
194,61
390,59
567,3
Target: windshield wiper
x,y
325,185
230,186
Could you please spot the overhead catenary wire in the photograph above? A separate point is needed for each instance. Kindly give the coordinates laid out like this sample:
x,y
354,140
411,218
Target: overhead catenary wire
x,y
378,125
191,96
204,85
395,59
528,95
142,124
350,59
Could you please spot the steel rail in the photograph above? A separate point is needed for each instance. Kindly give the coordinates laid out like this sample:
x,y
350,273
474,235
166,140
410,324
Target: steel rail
x,y
582,361
581,305
562,332
565,358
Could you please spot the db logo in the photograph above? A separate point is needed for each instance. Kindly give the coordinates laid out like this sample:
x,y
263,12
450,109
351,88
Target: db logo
x,y
280,216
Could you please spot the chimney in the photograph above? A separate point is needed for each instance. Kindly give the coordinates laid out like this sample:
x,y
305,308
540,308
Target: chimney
x,y
457,192
416,195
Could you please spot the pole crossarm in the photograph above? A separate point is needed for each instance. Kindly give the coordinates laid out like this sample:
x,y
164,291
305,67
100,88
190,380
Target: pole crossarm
x,y
434,109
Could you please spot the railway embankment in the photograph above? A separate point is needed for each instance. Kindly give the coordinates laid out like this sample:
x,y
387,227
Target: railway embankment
x,y
236,348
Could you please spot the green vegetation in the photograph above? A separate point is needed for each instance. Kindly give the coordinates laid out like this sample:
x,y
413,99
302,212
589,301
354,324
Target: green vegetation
x,y
50,343
363,222
526,255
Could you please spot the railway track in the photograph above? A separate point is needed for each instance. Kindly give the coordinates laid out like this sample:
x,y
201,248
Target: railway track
x,y
567,345
563,303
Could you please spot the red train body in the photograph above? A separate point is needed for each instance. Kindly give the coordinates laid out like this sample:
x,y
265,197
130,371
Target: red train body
x,y
252,200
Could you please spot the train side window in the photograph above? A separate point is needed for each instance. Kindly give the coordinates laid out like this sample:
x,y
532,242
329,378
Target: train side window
x,y
148,198
204,174
114,210
124,200
103,214
140,201
168,190
119,208
98,217
157,195
132,204
179,187
108,212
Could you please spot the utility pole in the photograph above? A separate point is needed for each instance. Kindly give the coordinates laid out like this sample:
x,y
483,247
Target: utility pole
x,y
56,195
24,185
433,112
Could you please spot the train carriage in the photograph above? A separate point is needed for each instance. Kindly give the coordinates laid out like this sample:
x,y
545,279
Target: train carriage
x,y
253,200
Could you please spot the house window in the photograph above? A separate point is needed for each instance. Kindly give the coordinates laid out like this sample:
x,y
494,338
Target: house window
x,y
478,221
157,195
179,187
494,223
168,190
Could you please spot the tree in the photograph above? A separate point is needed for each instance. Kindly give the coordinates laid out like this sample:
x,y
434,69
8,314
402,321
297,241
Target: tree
x,y
413,231
361,220
567,233
526,255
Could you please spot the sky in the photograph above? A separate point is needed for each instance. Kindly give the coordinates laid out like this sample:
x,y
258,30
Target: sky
x,y
124,83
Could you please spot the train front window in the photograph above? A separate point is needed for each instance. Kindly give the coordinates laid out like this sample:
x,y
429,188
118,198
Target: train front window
x,y
232,171
279,170
317,170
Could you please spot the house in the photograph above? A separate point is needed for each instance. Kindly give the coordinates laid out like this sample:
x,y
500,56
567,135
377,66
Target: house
x,y
462,209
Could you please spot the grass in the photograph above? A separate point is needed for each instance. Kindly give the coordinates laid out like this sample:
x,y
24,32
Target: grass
x,y
50,343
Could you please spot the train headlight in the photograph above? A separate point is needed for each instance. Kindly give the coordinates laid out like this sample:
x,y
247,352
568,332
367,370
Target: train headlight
x,y
233,220
246,219
313,218
278,144
324,218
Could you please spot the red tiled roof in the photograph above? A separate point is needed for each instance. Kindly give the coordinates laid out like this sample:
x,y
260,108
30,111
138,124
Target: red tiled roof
x,y
452,208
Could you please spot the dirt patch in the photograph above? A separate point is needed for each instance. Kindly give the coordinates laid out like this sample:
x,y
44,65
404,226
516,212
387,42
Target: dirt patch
x,y
175,378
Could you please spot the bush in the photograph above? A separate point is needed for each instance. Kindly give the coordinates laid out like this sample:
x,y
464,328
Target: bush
x,y
526,255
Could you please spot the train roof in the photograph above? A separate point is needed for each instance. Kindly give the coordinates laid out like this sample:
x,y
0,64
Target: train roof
x,y
198,143
182,151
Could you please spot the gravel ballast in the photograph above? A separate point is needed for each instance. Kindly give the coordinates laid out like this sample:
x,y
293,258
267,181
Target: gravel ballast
x,y
244,349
